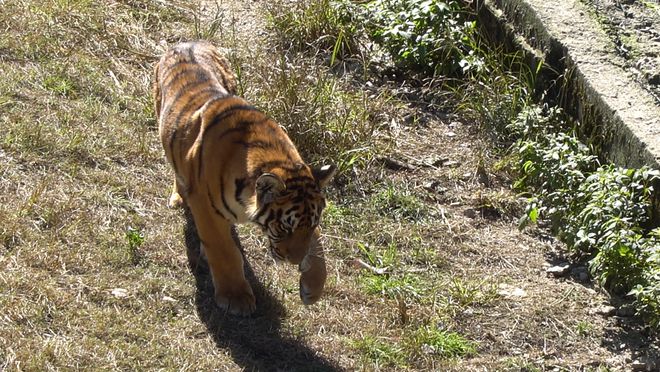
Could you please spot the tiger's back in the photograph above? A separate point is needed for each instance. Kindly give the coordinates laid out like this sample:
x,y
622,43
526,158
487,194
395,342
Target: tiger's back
x,y
233,164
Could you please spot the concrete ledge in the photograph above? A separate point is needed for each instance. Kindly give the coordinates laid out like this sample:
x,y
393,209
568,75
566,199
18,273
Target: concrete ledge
x,y
616,114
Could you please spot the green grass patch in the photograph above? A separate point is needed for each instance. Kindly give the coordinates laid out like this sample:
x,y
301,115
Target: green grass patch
x,y
393,286
415,345
380,352
470,293
314,25
397,202
445,344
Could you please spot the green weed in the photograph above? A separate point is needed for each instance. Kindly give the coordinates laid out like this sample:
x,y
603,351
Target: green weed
x,y
392,286
428,35
468,293
397,202
135,240
320,25
207,27
445,344
584,328
380,352
389,283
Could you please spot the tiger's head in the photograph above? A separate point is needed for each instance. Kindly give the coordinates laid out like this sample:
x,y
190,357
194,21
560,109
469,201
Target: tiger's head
x,y
289,212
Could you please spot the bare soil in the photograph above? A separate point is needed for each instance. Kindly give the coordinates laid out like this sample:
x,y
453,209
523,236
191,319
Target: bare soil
x,y
634,28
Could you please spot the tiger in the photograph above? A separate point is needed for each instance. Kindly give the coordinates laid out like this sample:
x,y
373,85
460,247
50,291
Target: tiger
x,y
234,164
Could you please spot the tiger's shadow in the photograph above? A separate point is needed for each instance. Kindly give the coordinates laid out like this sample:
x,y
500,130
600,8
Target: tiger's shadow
x,y
255,343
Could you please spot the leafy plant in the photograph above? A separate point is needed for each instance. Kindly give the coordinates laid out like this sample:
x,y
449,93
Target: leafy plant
x,y
599,211
135,240
428,35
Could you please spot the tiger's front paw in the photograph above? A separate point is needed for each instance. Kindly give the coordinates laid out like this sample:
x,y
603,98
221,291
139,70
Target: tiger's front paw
x,y
239,301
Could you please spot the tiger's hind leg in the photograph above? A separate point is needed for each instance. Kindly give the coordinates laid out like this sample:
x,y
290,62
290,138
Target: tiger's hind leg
x,y
176,200
232,291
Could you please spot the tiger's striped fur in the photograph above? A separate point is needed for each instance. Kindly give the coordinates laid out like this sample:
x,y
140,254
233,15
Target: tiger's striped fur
x,y
234,164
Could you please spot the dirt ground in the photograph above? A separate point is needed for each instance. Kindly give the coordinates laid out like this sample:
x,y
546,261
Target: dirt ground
x,y
634,28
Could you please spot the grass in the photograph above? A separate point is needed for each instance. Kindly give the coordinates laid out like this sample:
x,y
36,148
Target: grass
x,y
96,273
431,340
396,202
380,352
314,25
325,119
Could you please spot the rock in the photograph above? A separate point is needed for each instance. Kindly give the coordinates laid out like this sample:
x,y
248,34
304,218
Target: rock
x,y
558,270
435,186
470,213
606,310
625,311
119,292
580,273
433,161
638,366
394,164
510,291
583,276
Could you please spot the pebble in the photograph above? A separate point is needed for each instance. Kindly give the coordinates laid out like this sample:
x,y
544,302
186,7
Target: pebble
x,y
638,366
625,311
119,292
604,310
510,291
558,270
470,213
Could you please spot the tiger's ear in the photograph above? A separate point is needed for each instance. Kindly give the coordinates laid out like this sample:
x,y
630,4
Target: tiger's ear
x,y
268,185
324,174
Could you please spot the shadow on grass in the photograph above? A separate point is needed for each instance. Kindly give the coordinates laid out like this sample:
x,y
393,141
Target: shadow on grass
x,y
256,343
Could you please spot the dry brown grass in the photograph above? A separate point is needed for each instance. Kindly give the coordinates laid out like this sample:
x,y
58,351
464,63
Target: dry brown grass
x,y
93,267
